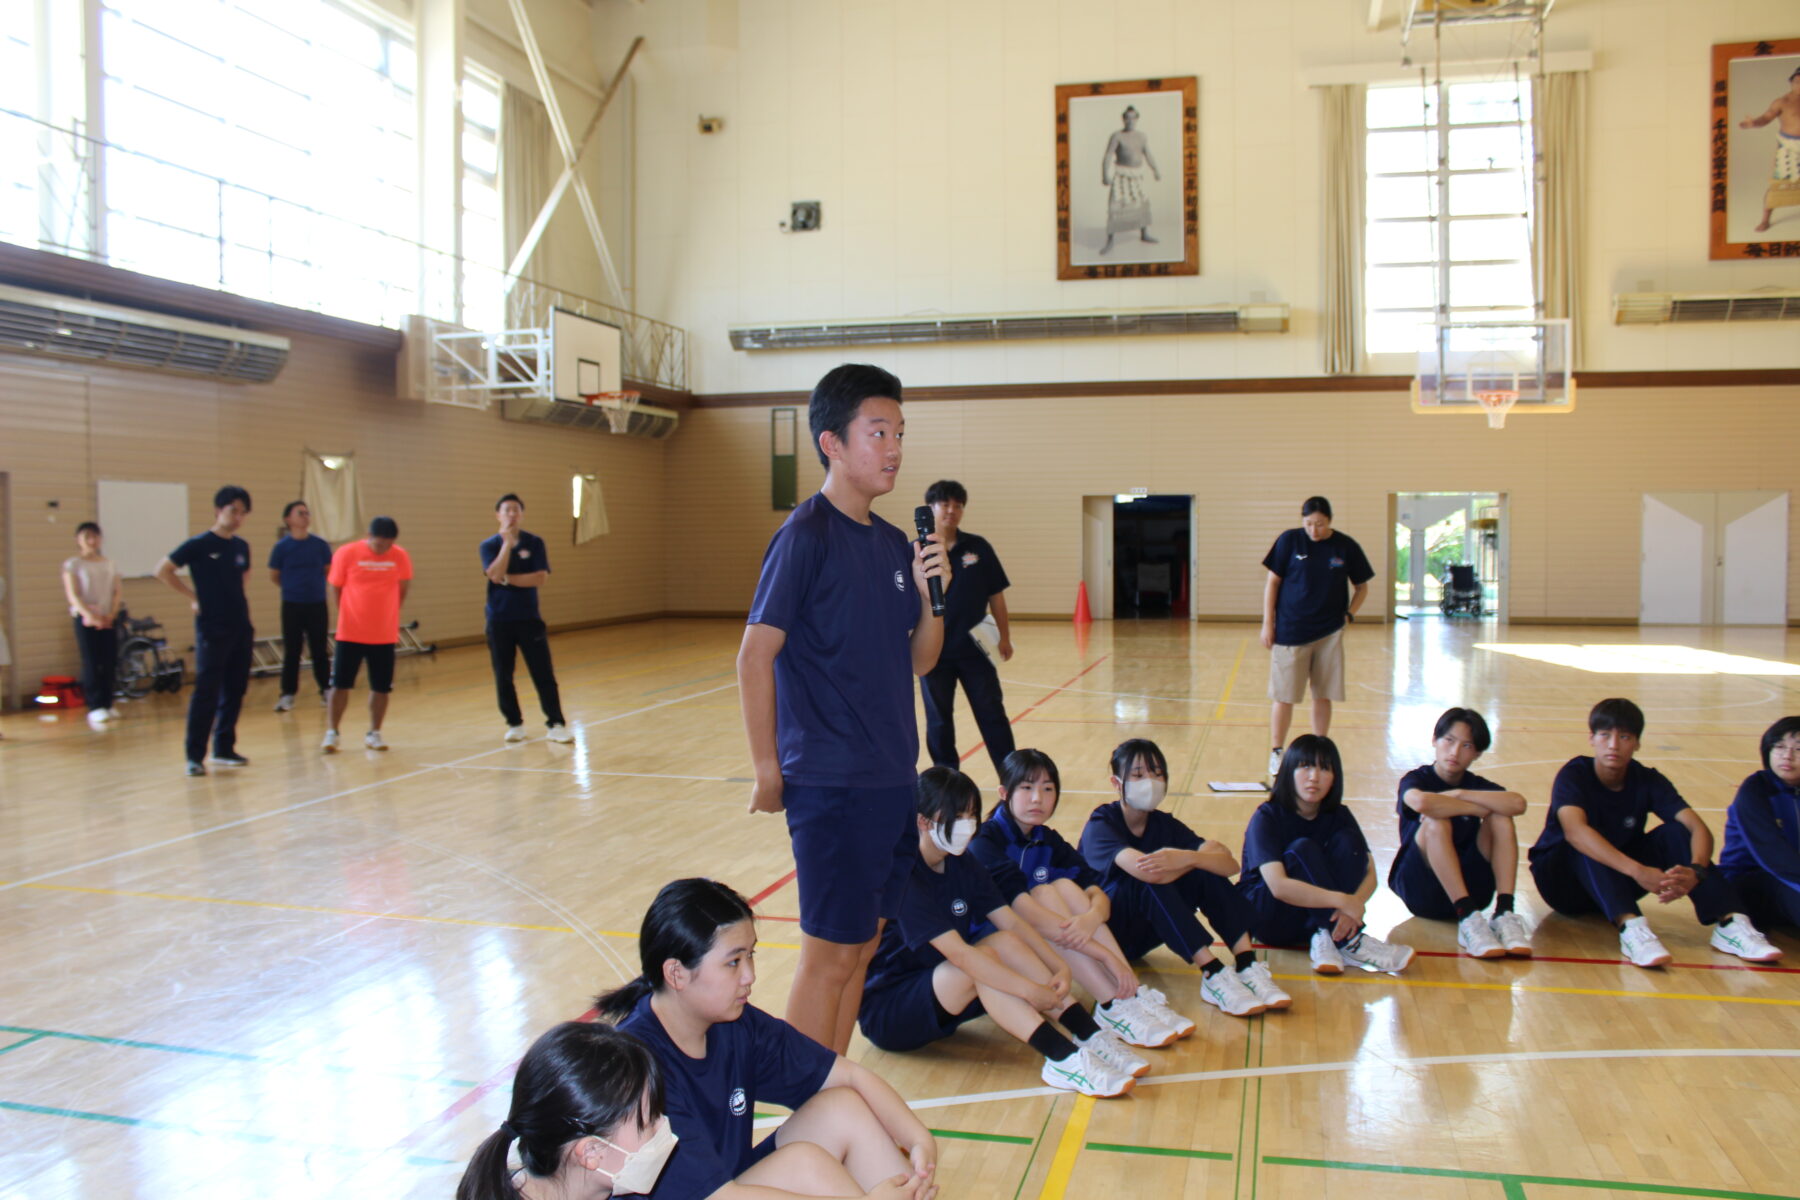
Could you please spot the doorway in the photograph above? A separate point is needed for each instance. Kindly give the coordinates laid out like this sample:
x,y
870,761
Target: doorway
x,y
1714,558
1440,537
1153,554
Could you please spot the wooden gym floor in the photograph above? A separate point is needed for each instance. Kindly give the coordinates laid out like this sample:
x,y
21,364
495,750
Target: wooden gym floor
x,y
312,977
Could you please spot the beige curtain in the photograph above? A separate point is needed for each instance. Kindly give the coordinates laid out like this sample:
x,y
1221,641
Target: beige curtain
x,y
1341,304
590,509
1559,130
330,490
524,185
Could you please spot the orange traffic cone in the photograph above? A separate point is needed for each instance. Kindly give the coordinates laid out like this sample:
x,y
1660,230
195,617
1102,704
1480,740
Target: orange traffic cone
x,y
1083,616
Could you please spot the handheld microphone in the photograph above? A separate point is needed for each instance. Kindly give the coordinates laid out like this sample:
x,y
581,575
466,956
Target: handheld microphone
x,y
926,524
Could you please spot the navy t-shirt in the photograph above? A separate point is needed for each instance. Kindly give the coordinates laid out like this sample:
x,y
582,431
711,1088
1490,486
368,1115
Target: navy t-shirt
x,y
1018,862
976,577
711,1101
1762,830
1316,578
1619,816
1273,829
303,563
843,593
960,897
1106,834
511,603
1426,779
216,567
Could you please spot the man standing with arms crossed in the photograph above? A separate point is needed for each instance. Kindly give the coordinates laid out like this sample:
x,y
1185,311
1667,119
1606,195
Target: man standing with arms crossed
x,y
840,625
516,563
224,639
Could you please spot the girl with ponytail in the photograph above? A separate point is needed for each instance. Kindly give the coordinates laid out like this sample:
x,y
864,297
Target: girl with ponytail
x,y
850,1133
587,1113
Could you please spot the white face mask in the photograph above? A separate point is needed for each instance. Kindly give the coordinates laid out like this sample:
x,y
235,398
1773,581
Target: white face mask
x,y
1146,794
961,834
639,1172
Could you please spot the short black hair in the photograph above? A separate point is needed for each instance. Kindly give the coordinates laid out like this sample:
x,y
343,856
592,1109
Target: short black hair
x,y
944,794
95,526
229,493
1616,713
384,527
291,506
1775,734
513,496
1020,767
1309,750
1316,504
1478,727
946,489
839,397
1128,752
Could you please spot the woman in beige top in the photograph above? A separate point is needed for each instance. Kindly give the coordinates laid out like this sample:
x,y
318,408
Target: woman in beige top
x,y
91,582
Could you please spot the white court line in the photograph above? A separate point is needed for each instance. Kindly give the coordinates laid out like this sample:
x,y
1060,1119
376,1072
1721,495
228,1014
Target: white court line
x,y
296,807
607,774
1398,1064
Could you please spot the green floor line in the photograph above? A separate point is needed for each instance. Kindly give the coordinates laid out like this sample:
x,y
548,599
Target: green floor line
x,y
228,1055
1166,1151
1038,1142
238,1135
1237,1175
1008,1139
1515,1183
1262,1044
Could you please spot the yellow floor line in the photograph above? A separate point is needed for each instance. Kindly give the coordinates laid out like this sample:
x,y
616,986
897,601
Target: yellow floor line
x,y
1230,681
1063,1165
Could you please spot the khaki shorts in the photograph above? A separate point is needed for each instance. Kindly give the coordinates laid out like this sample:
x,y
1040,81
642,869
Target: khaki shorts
x,y
1320,662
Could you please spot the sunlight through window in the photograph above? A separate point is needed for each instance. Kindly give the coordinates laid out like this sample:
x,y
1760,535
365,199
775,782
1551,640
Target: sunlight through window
x,y
1642,660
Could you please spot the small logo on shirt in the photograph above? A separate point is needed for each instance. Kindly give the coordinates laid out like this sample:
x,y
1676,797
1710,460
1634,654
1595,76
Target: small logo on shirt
x,y
1630,822
900,580
1300,558
738,1104
1041,874
215,554
970,560
959,907
242,563
524,554
1336,562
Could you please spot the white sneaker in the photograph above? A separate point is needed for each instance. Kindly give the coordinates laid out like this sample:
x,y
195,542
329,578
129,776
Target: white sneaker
x,y
1116,1054
1640,946
1744,940
1325,957
1275,762
515,733
372,740
561,734
1259,983
1135,1023
113,714
1370,952
1157,1005
1511,931
330,744
284,703
1082,1072
97,717
1475,937
1222,990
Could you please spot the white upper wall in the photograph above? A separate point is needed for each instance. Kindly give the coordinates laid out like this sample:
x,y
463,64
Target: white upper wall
x,y
925,128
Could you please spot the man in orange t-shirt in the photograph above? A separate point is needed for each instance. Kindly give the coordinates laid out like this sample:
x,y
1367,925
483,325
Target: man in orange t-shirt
x,y
368,580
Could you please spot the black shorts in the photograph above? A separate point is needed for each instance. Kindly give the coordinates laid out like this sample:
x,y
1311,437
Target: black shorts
x,y
350,657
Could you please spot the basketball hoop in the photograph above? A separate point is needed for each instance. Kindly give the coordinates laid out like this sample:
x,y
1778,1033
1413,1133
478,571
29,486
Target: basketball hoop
x,y
619,407
1496,404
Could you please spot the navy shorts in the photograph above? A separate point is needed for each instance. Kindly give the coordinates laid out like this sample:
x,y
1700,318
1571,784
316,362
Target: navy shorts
x,y
853,851
1413,880
907,1015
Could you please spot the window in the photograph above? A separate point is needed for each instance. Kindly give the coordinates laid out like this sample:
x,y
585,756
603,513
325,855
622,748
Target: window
x,y
484,254
1450,236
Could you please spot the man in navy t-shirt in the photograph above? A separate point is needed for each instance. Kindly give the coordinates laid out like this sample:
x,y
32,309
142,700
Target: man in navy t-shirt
x,y
840,624
1598,854
516,563
224,640
980,586
1317,579
298,564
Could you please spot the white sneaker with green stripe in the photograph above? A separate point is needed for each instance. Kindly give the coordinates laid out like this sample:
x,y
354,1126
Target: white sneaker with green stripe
x,y
1083,1072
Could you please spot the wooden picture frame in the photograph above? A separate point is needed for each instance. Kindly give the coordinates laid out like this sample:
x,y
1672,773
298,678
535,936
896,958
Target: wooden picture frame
x,y
1128,207
1748,78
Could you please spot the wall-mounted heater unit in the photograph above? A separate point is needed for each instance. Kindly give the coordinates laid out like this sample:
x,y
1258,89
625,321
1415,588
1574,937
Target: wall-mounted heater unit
x,y
1663,308
999,327
63,327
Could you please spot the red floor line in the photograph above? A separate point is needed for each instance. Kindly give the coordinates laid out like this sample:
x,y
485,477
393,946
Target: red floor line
x,y
1041,701
772,888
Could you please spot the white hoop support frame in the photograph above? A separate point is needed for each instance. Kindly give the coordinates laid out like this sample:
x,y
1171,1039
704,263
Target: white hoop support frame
x,y
1496,404
619,407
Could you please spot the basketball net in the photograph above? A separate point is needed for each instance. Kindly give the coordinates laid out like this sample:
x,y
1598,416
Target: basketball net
x,y
1496,404
619,407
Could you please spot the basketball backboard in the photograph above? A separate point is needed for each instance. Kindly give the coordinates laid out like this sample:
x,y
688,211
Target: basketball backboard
x,y
1469,362
587,356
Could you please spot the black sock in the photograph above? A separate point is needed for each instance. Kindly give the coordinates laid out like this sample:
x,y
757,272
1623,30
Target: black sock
x,y
1464,907
1342,943
1628,914
1503,903
1076,1020
1244,959
1212,967
1727,919
1049,1042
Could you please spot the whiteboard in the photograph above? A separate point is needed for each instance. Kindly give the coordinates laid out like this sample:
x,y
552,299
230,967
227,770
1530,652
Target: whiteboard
x,y
141,523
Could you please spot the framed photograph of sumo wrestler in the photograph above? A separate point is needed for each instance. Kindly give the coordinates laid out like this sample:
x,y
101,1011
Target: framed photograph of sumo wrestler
x,y
1754,147
1128,178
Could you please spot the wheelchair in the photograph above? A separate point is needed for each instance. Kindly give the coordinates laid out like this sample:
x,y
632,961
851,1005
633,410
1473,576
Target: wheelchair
x,y
1462,592
144,667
